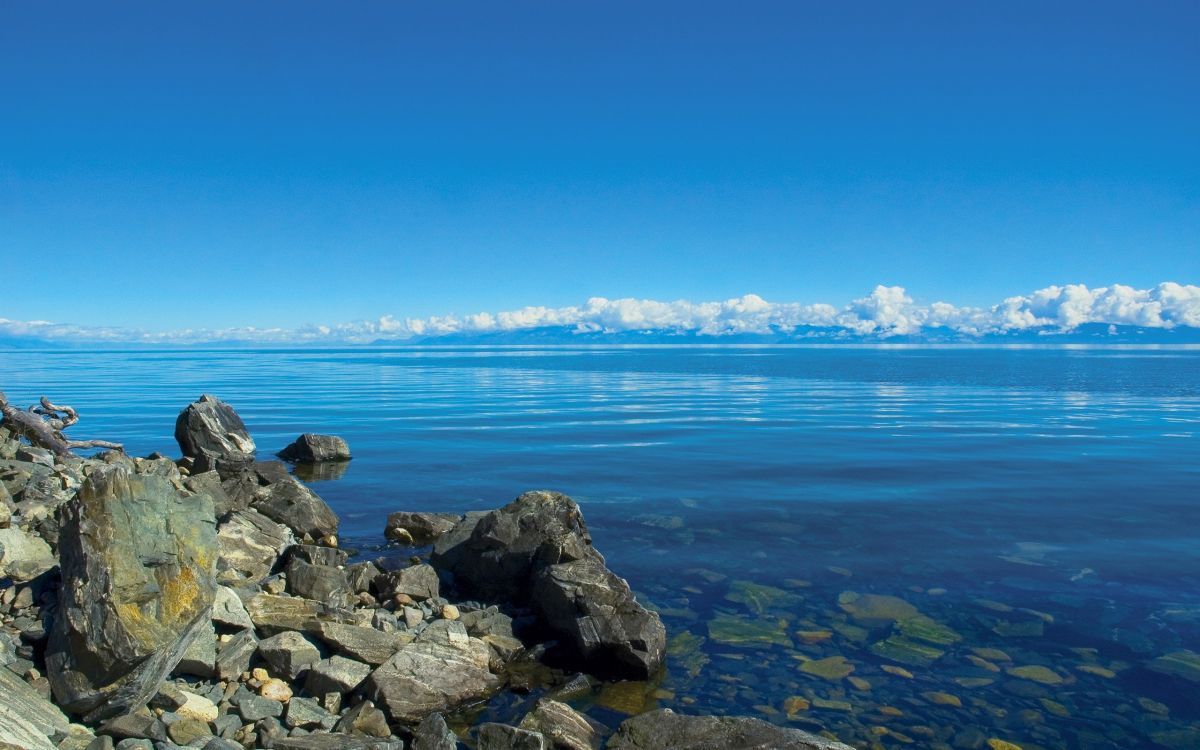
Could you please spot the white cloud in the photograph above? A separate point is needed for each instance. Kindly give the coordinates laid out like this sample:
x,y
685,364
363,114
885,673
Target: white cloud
x,y
885,312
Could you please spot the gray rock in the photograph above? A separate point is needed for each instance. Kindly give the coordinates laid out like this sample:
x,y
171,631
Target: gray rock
x,y
563,727
139,724
250,544
537,551
220,743
290,503
188,731
336,741
364,720
442,669
362,577
209,483
103,742
234,655
228,610
200,658
417,581
596,613
290,654
666,730
503,737
433,734
364,644
210,432
305,713
419,528
321,583
255,708
27,720
336,674
318,555
489,621
310,448
273,614
135,744
24,556
138,568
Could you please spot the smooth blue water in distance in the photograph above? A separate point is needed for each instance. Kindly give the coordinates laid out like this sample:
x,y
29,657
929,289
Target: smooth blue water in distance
x,y
999,491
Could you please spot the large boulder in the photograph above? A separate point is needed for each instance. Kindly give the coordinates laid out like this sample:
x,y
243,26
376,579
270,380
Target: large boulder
x,y
211,433
289,502
666,730
442,669
138,565
537,551
310,448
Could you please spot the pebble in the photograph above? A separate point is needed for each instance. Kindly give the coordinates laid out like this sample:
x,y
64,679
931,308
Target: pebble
x,y
450,612
276,690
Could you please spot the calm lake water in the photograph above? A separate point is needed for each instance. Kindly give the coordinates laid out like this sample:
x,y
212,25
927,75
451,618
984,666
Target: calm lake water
x,y
999,543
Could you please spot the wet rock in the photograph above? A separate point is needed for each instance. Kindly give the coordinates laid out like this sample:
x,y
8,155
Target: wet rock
x,y
336,674
250,544
442,669
28,720
290,503
666,730
138,568
537,551
433,734
289,653
563,727
418,581
273,614
361,643
24,556
419,528
364,720
211,433
310,448
503,737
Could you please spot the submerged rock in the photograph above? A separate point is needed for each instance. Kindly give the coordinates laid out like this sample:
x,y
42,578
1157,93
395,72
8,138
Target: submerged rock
x,y
666,730
310,448
537,551
211,433
138,567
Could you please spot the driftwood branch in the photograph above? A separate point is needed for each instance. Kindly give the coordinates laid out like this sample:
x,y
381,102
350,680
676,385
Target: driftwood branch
x,y
43,426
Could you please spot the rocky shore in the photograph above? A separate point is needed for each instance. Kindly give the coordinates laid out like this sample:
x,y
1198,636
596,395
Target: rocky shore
x,y
204,602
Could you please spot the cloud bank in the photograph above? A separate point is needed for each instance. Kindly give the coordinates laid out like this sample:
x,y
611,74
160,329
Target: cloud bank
x,y
887,312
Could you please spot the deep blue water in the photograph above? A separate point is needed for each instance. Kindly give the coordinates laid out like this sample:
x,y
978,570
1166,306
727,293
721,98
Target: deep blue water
x,y
999,491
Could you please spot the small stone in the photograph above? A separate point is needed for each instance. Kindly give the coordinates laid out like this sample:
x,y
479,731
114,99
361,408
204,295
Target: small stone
x,y
998,744
336,674
289,654
1037,673
832,668
276,690
450,612
187,731
942,699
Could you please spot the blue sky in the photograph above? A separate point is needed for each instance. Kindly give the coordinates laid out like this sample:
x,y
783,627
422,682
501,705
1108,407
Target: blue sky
x,y
165,165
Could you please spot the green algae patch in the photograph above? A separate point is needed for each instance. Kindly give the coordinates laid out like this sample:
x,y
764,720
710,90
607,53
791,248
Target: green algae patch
x,y
685,650
1185,664
1029,629
736,630
760,599
927,629
1037,673
876,607
906,651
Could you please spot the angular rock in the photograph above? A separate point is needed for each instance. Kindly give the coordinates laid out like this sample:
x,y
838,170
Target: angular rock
x,y
255,708
200,658
321,583
27,720
228,610
503,737
594,610
234,655
275,614
317,555
364,720
563,727
666,730
24,556
537,551
442,669
336,675
209,483
417,581
250,544
362,577
138,567
433,734
335,741
364,644
210,432
289,654
419,528
290,503
310,448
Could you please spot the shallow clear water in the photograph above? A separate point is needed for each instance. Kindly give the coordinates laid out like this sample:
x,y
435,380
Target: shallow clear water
x,y
1040,502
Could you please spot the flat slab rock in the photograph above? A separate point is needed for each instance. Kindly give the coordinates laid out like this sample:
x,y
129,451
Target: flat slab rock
x,y
27,720
666,730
